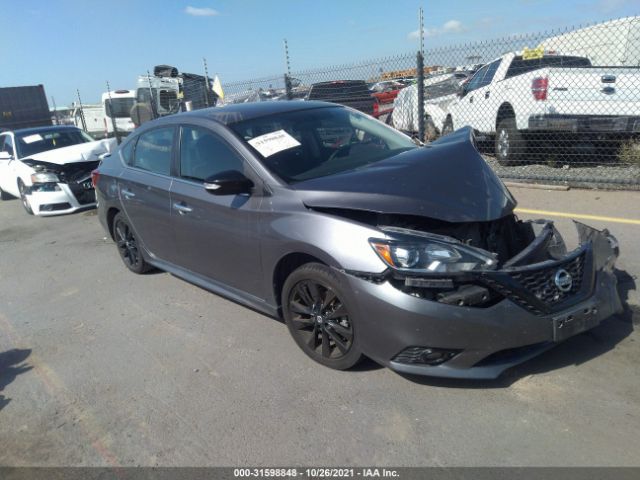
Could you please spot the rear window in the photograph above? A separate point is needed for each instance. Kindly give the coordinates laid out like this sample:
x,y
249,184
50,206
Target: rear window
x,y
519,66
339,90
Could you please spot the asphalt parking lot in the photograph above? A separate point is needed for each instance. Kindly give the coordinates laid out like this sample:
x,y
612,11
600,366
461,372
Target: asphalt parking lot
x,y
102,367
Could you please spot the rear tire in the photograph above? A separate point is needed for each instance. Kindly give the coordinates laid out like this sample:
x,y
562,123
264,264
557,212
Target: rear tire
x,y
128,245
510,145
4,195
316,309
23,197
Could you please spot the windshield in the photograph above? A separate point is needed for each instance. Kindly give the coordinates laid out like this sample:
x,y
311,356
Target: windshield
x,y
41,141
313,143
119,107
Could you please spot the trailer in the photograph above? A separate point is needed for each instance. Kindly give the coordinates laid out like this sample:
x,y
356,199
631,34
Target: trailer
x,y
24,107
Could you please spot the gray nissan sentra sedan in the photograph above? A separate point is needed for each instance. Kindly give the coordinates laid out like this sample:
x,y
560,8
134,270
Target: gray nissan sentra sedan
x,y
365,243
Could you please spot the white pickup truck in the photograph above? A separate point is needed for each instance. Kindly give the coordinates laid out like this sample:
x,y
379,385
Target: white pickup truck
x,y
528,105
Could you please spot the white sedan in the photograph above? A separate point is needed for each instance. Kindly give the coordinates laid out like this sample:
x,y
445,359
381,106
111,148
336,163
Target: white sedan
x,y
49,168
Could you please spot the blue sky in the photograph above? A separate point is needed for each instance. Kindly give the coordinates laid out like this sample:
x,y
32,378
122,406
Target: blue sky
x,y
80,44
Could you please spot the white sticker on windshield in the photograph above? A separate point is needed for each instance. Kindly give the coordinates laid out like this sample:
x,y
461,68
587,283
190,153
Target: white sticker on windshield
x,y
36,137
274,142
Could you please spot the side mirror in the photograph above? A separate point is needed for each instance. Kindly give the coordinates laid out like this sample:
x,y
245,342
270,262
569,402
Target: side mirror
x,y
5,156
229,182
462,90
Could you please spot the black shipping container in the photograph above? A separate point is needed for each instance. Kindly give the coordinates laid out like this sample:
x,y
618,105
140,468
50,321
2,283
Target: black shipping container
x,y
24,107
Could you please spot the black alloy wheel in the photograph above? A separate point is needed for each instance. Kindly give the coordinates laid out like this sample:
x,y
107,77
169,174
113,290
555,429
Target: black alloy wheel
x,y
318,317
128,246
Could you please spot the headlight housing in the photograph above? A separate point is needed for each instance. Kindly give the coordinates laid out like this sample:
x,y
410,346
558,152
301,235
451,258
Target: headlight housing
x,y
44,177
431,256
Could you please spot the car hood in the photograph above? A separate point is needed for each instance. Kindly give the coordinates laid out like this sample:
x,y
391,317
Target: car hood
x,y
448,180
83,152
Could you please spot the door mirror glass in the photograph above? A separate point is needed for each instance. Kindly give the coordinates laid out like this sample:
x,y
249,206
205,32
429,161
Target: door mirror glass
x,y
229,182
5,156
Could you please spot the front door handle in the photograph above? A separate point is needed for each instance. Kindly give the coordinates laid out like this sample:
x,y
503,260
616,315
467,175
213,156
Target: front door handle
x,y
182,208
471,99
127,193
486,95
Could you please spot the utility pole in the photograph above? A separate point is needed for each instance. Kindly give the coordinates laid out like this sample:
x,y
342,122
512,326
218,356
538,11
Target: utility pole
x,y
206,82
109,112
287,76
84,123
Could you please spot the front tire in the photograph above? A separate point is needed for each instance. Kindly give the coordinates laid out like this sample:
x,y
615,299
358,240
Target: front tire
x,y
23,197
510,145
128,245
316,309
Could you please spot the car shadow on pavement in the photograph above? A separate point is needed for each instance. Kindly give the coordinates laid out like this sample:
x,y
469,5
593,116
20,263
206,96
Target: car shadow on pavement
x,y
574,351
11,365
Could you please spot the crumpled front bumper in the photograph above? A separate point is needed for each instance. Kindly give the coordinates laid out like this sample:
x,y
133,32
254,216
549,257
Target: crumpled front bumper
x,y
59,202
486,341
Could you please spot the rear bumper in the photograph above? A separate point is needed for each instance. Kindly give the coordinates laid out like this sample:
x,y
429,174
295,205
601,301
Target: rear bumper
x,y
482,342
594,124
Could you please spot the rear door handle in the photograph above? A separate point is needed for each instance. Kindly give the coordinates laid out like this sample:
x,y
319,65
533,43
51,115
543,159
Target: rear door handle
x,y
471,99
182,208
486,95
128,193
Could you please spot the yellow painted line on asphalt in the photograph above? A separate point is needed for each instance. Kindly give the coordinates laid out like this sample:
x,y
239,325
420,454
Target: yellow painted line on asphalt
x,y
579,216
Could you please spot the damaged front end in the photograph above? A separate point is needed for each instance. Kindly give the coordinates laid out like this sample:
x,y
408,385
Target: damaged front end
x,y
56,188
474,299
478,264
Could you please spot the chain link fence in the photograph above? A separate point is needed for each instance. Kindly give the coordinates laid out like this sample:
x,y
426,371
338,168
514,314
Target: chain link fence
x,y
555,107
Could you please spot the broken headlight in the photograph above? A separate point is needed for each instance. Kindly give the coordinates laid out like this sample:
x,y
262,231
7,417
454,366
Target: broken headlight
x,y
44,177
431,256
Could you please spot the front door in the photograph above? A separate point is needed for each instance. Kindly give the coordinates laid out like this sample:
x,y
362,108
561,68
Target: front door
x,y
217,236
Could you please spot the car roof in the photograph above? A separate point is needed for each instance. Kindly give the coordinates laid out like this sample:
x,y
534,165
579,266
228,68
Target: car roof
x,y
233,113
41,129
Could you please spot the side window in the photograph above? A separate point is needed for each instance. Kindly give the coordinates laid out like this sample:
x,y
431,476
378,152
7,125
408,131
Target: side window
x,y
153,151
7,144
491,71
127,151
203,154
476,80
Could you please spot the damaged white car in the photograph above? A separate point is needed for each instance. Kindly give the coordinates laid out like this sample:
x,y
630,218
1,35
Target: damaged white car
x,y
49,168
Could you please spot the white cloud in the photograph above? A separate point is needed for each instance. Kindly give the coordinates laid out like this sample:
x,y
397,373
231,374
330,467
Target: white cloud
x,y
450,26
201,12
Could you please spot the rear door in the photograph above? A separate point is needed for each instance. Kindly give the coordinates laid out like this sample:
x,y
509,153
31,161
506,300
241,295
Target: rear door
x,y
144,190
217,236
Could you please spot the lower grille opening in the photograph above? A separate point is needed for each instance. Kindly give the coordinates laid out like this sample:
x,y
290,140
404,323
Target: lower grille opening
x,y
53,207
425,356
448,291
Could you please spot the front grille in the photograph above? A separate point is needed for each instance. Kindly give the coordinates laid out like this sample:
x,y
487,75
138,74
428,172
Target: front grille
x,y
535,289
83,195
541,282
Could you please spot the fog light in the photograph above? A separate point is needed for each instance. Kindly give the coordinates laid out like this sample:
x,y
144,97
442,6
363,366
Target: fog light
x,y
425,355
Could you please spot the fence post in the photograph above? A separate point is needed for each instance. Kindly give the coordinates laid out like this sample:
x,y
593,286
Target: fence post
x,y
207,85
287,86
109,111
421,119
82,120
